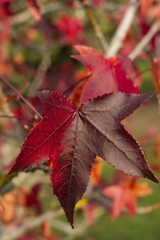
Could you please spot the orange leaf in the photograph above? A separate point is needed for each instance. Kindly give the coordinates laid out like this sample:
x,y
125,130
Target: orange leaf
x,y
125,195
96,171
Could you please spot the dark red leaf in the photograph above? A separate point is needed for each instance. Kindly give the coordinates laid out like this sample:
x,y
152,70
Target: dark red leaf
x,y
108,75
74,137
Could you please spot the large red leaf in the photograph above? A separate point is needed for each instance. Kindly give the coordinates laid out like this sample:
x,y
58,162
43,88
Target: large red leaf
x,y
74,137
108,75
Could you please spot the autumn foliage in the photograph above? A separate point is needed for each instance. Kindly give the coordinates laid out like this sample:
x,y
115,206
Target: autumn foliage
x,y
67,87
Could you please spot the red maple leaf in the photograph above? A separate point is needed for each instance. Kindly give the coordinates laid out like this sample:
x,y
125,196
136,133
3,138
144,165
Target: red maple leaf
x,y
125,195
74,137
108,75
71,27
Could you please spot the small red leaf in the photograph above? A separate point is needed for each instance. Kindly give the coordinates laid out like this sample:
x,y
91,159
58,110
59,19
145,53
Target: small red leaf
x,y
125,195
71,27
108,75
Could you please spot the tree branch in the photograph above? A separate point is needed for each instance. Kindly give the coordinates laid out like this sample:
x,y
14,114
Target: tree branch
x,y
146,39
25,16
122,30
20,95
25,179
42,68
32,223
95,25
7,111
148,209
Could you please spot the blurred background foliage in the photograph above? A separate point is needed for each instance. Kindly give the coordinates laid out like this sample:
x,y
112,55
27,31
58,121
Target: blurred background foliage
x,y
35,55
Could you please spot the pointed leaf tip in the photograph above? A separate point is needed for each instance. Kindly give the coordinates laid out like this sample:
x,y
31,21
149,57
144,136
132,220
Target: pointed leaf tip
x,y
108,74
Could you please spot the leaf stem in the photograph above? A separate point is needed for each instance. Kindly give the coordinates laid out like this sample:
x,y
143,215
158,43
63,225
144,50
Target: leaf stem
x,y
20,96
69,90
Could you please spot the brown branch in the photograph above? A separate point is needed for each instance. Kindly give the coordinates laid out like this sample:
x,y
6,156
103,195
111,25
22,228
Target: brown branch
x,y
95,25
32,223
7,111
25,16
20,95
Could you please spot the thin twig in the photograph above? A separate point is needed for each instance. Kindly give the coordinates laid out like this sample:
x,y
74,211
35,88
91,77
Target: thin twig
x,y
42,68
69,90
32,223
25,16
145,40
148,209
7,111
23,179
14,117
95,25
120,34
102,200
20,95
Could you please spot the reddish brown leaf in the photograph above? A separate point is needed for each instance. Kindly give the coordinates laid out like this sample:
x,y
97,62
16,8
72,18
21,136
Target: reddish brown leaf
x,y
74,137
108,75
